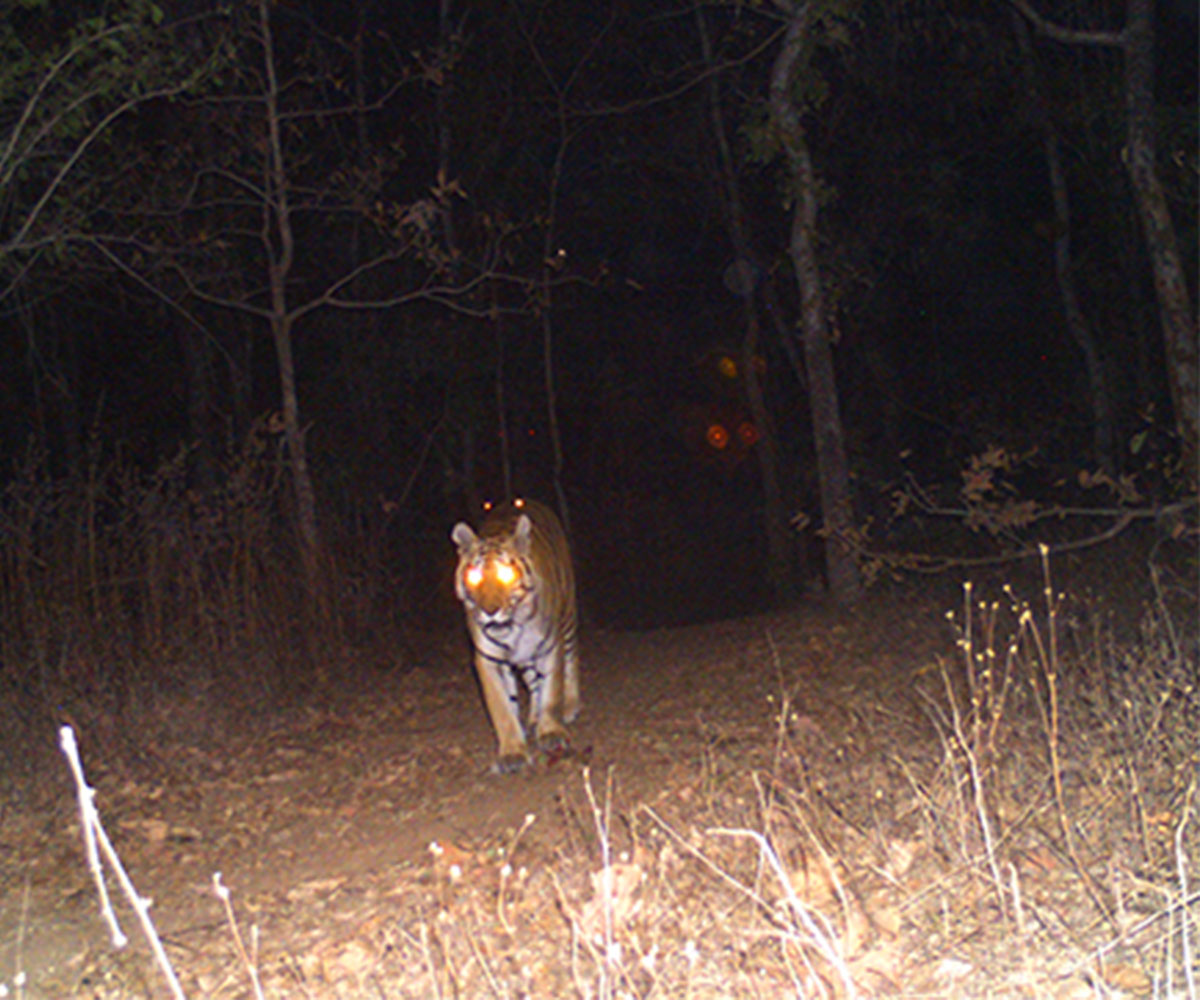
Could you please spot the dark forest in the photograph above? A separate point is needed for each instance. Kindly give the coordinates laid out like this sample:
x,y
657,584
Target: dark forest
x,y
402,262
780,305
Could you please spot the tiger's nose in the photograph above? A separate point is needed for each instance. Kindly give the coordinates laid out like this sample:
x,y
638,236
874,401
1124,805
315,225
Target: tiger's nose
x,y
491,596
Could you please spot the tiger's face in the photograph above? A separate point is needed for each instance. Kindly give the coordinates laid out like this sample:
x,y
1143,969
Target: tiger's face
x,y
494,574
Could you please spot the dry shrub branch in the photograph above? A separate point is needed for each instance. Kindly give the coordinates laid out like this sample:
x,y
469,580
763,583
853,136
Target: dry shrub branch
x,y
129,595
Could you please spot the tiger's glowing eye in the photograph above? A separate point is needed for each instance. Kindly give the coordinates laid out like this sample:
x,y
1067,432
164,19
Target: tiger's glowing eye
x,y
506,573
473,576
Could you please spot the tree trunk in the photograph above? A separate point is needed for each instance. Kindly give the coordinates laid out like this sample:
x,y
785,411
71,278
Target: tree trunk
x,y
1175,308
198,359
549,263
280,252
844,581
781,539
303,494
447,43
1103,433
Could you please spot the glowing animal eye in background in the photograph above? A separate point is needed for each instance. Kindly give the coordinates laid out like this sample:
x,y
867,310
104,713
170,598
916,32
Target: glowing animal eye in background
x,y
727,367
506,573
717,437
747,433
473,576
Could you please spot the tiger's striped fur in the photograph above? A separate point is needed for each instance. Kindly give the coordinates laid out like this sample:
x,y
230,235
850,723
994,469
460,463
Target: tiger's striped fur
x,y
518,590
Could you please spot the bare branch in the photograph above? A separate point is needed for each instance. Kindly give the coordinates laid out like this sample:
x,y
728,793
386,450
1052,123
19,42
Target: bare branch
x,y
919,562
170,301
18,240
36,97
640,104
1069,36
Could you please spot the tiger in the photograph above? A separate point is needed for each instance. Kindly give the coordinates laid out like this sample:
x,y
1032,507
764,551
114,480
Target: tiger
x,y
517,586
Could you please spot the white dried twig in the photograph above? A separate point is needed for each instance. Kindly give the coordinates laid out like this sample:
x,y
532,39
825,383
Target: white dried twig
x,y
96,842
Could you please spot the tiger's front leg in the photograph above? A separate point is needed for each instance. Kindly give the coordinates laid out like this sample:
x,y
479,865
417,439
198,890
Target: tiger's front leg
x,y
500,695
546,706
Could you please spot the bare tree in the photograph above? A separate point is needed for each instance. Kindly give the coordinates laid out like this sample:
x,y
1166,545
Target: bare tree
x,y
565,132
275,234
1103,431
1136,40
67,96
785,82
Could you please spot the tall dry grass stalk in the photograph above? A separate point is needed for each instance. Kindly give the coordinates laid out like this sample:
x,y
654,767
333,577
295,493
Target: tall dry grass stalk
x,y
1059,743
124,592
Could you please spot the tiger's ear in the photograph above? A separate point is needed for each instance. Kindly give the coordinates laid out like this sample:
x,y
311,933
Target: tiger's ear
x,y
521,535
463,536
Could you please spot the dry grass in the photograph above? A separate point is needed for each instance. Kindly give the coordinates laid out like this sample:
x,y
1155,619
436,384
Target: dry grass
x,y
130,601
1016,818
1042,842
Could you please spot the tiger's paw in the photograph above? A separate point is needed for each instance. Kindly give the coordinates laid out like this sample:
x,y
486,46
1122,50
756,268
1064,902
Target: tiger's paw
x,y
509,763
555,746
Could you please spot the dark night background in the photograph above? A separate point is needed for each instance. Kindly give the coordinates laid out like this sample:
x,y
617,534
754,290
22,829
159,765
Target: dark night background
x,y
573,147
855,341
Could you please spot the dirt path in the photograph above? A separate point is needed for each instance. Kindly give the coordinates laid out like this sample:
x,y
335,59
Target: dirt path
x,y
335,796
322,819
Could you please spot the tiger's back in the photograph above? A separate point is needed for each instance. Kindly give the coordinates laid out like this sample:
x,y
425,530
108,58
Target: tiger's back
x,y
517,585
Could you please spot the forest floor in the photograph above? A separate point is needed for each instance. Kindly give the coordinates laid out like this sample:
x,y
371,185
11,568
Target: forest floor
x,y
820,802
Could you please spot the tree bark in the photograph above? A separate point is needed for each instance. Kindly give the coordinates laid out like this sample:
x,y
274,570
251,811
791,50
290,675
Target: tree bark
x,y
781,539
1170,286
549,265
1180,335
198,359
279,241
845,582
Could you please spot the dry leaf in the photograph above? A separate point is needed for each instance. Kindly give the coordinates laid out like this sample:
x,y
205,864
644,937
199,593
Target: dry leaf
x,y
1128,978
887,919
351,958
883,961
314,887
625,878
155,830
901,855
952,968
857,932
451,861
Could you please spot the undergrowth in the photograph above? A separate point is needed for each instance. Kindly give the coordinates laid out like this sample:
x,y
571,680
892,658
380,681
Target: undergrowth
x,y
131,601
1014,818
